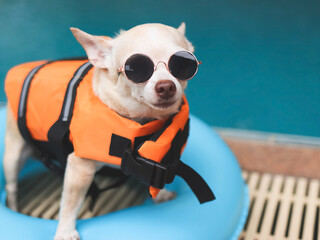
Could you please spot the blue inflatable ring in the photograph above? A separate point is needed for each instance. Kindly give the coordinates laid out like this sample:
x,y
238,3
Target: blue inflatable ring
x,y
183,218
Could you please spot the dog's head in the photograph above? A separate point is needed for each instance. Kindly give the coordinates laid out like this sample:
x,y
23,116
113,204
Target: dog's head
x,y
157,97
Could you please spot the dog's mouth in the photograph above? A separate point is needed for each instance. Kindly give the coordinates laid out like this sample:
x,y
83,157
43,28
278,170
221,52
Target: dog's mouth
x,y
163,105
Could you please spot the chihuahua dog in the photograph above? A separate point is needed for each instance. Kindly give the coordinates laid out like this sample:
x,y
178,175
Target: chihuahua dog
x,y
157,98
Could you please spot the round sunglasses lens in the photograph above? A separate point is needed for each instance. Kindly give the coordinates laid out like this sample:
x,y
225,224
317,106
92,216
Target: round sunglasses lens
x,y
139,68
183,65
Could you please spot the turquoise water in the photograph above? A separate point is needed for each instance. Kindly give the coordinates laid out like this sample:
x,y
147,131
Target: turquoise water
x,y
261,59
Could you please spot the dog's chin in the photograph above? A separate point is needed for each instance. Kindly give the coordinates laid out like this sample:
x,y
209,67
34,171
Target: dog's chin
x,y
163,105
159,108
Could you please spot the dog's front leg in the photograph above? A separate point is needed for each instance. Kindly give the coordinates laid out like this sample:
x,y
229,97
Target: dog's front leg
x,y
78,177
16,153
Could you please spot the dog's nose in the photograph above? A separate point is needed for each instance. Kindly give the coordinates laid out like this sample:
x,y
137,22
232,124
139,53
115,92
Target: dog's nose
x,y
165,89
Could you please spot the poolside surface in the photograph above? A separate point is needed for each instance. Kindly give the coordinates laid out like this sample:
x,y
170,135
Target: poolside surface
x,y
275,153
301,161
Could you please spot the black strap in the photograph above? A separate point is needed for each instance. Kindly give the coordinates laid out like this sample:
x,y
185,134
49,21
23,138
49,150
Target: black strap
x,y
158,174
198,186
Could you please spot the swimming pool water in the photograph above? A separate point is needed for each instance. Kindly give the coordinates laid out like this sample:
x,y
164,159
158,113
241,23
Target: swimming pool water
x,y
261,59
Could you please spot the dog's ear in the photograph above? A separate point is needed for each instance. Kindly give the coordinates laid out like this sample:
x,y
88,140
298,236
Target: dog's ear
x,y
98,48
182,30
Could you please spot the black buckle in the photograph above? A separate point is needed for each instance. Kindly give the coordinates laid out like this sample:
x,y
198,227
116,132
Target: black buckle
x,y
149,172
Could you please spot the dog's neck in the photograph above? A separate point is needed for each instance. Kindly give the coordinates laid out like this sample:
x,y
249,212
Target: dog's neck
x,y
105,89
117,96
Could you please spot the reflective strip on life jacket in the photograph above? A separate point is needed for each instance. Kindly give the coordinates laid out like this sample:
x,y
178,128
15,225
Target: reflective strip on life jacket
x,y
23,102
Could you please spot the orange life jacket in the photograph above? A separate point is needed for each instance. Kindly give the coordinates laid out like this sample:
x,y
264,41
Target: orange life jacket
x,y
56,110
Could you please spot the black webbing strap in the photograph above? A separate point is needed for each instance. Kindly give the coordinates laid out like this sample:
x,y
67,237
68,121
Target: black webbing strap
x,y
198,186
22,109
158,174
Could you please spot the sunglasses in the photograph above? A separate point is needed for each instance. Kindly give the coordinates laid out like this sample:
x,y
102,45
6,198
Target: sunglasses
x,y
139,68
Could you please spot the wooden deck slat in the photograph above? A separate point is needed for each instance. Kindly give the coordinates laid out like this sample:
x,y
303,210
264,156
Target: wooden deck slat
x,y
115,198
260,188
285,197
52,210
272,205
38,187
42,198
297,208
312,204
45,204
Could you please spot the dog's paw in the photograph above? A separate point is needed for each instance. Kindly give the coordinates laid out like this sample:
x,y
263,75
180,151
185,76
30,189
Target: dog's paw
x,y
12,201
74,235
164,196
